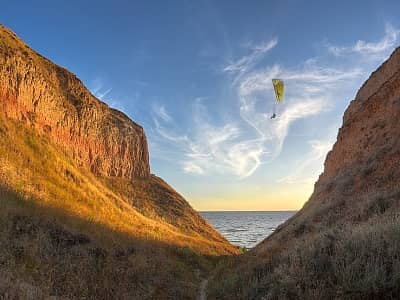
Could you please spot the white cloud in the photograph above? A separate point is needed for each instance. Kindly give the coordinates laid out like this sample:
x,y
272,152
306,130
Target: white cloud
x,y
309,91
102,92
161,112
239,147
317,154
219,149
98,90
191,167
377,49
235,147
249,137
245,63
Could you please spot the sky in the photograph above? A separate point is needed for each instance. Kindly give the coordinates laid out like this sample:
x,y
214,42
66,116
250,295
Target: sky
x,y
197,76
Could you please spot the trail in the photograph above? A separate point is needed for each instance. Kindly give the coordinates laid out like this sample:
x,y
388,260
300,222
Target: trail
x,y
203,290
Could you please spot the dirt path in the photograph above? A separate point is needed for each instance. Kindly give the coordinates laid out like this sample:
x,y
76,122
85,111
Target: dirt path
x,y
203,290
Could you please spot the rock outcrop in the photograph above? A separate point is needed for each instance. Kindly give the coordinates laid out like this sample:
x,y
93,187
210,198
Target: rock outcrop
x,y
77,198
363,163
344,242
369,123
61,145
54,101
361,174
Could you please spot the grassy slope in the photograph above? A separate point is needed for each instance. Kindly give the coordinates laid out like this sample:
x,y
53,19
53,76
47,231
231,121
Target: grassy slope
x,y
64,231
345,242
342,262
67,232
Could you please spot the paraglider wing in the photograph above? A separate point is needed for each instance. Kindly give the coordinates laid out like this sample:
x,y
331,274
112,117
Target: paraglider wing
x,y
279,89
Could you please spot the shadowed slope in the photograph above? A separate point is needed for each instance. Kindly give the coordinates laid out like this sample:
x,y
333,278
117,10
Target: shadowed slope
x,y
52,178
344,242
82,216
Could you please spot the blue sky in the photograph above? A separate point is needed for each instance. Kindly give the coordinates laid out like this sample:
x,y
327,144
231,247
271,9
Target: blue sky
x,y
197,76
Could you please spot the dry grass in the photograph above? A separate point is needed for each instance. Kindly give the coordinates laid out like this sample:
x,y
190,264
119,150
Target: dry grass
x,y
343,244
42,255
343,262
53,180
66,232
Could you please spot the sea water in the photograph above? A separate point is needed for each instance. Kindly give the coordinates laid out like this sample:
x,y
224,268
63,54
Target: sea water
x,y
246,228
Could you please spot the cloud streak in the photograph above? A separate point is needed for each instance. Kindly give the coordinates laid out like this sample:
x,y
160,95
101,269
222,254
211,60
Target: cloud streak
x,y
310,91
241,143
319,150
245,63
161,112
379,49
239,147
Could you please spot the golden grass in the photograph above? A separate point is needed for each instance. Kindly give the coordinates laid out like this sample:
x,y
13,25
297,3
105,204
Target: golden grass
x,y
65,232
41,254
36,169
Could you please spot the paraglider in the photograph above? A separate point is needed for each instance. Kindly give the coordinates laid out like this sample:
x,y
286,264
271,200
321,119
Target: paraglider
x,y
279,89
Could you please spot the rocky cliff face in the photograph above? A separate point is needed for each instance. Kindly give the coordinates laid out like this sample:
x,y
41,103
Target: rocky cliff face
x,y
361,174
59,216
369,124
54,101
364,160
344,242
61,145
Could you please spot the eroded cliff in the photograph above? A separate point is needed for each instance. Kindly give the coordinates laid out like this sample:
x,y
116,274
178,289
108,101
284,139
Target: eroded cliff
x,y
81,216
361,173
54,101
344,242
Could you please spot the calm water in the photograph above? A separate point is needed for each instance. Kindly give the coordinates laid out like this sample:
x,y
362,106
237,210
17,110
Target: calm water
x,y
246,228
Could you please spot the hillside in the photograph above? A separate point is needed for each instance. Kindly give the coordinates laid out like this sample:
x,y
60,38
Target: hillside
x,y
82,216
344,242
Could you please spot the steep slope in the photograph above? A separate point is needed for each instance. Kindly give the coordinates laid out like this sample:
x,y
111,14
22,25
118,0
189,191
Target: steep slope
x,y
344,242
361,174
77,197
53,100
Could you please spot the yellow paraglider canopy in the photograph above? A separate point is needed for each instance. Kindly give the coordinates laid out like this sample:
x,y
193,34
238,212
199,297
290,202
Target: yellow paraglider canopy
x,y
279,89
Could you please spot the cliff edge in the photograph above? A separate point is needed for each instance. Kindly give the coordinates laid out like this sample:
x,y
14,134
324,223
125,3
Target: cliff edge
x,y
81,216
54,101
344,242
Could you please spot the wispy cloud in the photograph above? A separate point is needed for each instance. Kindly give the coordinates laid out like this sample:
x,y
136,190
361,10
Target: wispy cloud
x,y
239,147
301,174
206,147
161,112
245,63
99,90
249,137
380,48
103,92
190,167
309,91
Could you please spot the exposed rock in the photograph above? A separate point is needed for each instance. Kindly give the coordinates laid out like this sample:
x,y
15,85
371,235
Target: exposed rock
x,y
361,174
53,100
53,130
364,160
66,233
344,242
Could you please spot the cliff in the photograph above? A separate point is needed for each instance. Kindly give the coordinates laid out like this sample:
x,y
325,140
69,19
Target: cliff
x,y
81,216
344,242
55,102
361,173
